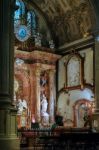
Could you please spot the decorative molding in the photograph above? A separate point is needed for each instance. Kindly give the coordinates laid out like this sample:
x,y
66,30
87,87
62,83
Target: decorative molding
x,y
76,45
37,57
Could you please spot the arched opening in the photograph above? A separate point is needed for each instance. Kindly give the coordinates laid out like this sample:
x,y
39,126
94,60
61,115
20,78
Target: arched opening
x,y
80,107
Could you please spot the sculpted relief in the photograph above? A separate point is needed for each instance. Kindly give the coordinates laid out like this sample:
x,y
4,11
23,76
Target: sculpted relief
x,y
44,105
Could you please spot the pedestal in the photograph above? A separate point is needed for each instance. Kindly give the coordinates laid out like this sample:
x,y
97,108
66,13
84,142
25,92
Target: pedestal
x,y
45,120
8,129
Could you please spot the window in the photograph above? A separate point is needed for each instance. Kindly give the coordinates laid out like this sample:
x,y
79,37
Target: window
x,y
31,22
19,13
26,19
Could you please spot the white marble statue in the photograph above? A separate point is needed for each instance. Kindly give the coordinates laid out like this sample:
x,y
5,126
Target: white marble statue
x,y
24,103
44,105
21,105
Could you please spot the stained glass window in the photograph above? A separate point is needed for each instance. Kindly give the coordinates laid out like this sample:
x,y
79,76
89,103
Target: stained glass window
x,y
24,17
19,12
31,21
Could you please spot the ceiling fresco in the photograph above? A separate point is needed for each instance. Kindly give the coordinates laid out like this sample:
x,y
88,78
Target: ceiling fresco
x,y
68,20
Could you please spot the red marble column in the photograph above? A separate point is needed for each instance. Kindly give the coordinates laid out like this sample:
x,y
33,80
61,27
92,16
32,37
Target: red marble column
x,y
52,95
37,73
35,93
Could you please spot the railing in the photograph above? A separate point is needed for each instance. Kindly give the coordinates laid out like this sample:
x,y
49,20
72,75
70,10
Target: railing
x,y
59,138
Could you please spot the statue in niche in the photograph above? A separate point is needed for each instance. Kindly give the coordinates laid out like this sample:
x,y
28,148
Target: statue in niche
x,y
43,79
44,114
44,105
22,111
22,106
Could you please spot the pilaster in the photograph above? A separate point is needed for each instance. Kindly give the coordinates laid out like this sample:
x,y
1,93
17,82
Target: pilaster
x,y
8,129
37,94
96,113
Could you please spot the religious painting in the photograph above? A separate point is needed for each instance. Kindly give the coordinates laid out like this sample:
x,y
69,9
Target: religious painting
x,y
74,70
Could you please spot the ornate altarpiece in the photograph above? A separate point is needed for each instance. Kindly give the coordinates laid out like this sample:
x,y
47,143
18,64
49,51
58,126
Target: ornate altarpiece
x,y
36,76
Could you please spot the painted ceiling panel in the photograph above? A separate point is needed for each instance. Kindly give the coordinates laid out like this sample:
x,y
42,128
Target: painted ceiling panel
x,y
68,20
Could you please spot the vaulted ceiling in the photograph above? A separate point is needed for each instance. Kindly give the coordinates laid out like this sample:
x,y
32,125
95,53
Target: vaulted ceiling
x,y
68,20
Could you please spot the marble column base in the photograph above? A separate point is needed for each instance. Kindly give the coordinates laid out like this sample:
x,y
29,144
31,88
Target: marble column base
x,y
9,143
45,120
8,129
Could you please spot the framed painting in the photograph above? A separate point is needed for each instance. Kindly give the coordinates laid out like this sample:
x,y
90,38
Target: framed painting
x,y
74,71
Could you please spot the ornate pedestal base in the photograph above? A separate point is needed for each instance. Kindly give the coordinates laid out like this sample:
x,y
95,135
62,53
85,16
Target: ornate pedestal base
x,y
45,120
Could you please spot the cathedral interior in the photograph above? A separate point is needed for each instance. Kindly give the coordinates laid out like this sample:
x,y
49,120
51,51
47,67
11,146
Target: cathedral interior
x,y
49,75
